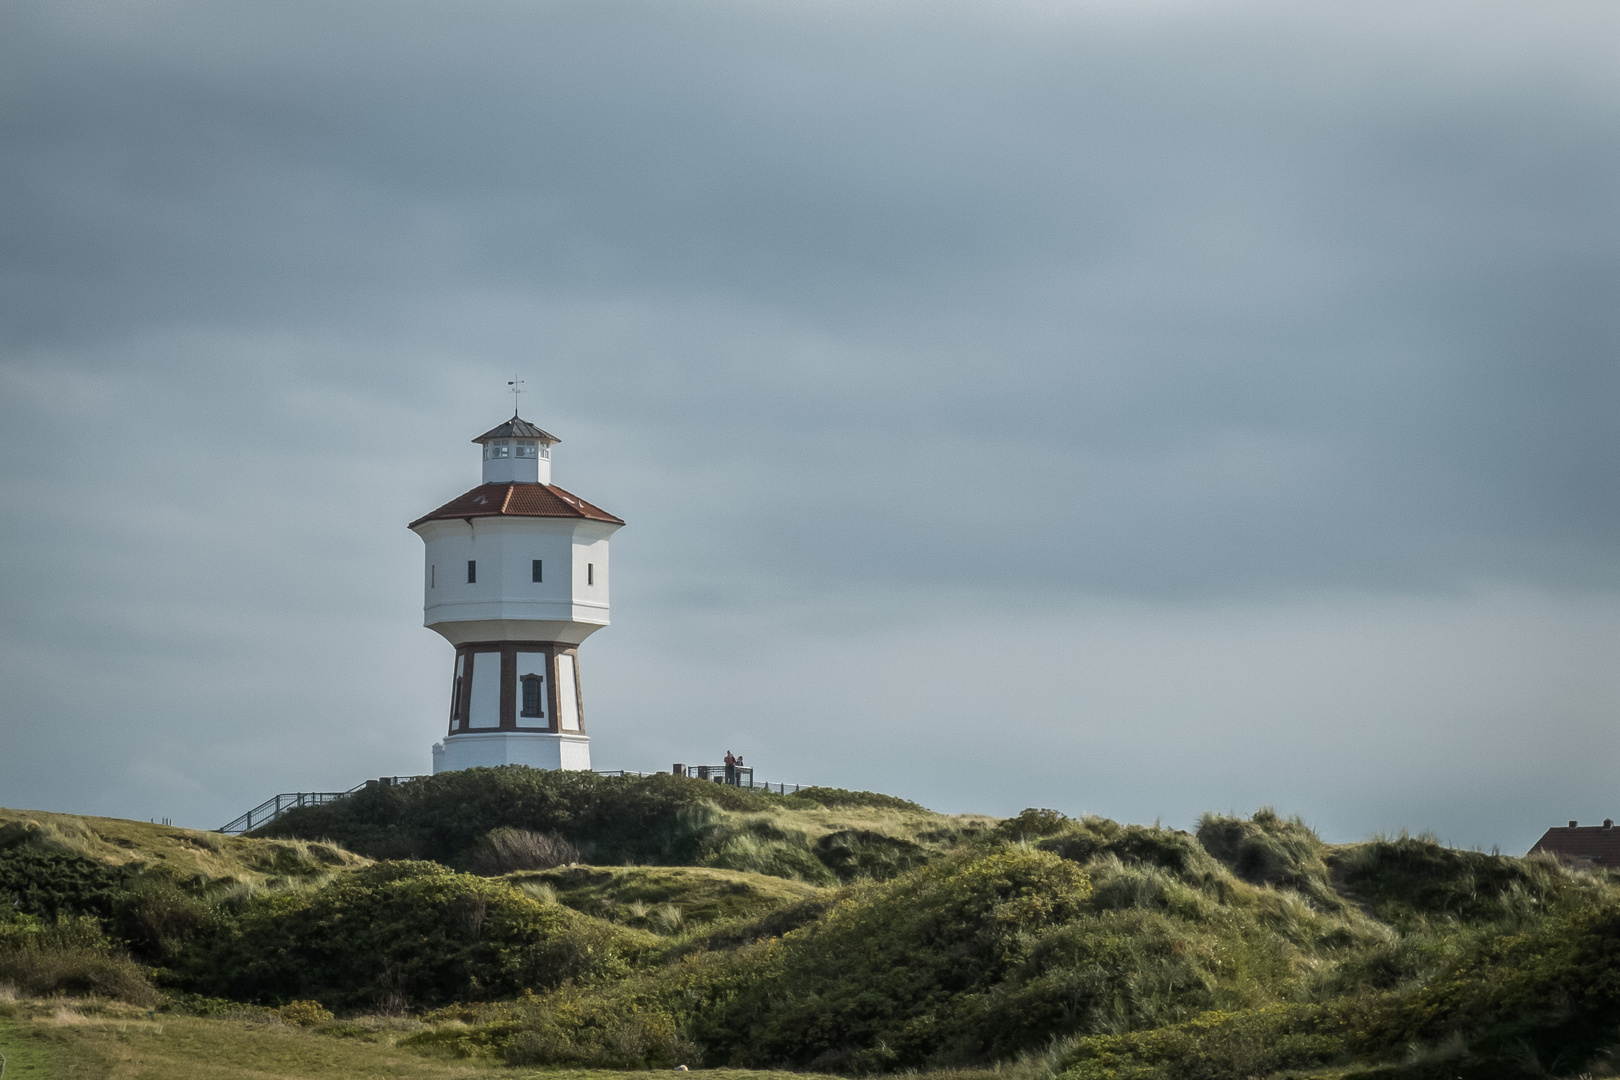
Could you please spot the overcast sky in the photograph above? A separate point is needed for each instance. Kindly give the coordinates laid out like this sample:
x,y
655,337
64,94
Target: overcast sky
x,y
1131,408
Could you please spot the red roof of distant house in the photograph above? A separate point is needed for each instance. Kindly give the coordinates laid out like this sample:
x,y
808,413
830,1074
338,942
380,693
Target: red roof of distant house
x,y
1589,843
518,500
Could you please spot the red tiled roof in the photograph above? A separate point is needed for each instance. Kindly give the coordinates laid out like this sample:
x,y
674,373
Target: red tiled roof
x,y
1599,843
518,500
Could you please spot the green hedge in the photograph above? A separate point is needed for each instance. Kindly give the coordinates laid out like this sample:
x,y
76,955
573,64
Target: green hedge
x,y
410,934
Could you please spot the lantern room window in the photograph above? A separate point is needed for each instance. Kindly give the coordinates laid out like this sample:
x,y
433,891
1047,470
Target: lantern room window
x,y
500,448
526,449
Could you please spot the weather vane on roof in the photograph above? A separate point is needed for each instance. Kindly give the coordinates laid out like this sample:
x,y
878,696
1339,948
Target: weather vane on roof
x,y
517,388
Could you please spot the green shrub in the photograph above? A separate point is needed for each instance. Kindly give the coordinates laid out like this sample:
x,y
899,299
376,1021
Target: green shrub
x,y
1093,837
884,978
1268,850
1033,824
156,916
305,1013
69,956
618,1027
860,854
610,819
838,798
398,934
51,883
751,843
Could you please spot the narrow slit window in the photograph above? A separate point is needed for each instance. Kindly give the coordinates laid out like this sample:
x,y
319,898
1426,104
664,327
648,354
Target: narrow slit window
x,y
590,573
472,571
532,696
433,576
536,571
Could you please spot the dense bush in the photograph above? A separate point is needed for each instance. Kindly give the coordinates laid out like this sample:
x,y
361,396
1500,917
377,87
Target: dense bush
x,y
49,883
400,935
838,798
610,819
70,955
461,818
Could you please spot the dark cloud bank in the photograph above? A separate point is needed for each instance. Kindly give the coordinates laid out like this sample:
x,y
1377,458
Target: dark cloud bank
x,y
1137,409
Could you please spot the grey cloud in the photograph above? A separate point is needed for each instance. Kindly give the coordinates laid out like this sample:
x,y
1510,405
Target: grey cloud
x,y
848,308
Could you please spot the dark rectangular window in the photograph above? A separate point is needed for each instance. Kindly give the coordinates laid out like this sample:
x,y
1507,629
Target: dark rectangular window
x,y
531,695
472,571
433,576
535,571
590,573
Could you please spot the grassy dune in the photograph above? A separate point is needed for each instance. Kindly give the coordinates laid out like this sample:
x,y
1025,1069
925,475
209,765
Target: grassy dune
x,y
665,898
830,932
185,852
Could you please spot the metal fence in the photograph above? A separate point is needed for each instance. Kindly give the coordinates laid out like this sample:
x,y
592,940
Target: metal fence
x,y
736,775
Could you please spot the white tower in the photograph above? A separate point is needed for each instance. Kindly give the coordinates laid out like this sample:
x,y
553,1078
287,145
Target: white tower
x,y
516,577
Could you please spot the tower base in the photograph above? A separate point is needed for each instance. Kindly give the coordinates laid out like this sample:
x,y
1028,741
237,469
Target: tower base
x,y
539,750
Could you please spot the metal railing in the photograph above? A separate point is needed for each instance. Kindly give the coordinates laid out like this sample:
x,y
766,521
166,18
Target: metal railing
x,y
276,805
735,775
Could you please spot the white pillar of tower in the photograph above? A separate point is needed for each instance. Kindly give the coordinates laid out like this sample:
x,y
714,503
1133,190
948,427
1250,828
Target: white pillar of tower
x,y
516,578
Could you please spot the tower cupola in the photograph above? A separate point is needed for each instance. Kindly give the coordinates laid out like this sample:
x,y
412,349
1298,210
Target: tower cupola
x,y
517,452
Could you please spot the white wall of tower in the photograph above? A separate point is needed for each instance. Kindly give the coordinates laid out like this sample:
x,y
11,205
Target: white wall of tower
x,y
492,748
571,600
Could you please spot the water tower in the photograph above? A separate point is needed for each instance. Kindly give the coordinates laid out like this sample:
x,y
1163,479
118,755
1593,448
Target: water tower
x,y
516,577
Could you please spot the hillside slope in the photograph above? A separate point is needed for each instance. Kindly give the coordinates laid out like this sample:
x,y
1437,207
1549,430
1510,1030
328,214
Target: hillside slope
x,y
880,938
185,852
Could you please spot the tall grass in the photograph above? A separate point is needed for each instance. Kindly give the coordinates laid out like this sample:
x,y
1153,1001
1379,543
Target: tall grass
x,y
505,850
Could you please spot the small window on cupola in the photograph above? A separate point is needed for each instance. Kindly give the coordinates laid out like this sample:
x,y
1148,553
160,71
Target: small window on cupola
x,y
525,449
498,448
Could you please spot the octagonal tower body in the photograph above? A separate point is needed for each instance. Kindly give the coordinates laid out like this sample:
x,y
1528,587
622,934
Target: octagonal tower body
x,y
515,577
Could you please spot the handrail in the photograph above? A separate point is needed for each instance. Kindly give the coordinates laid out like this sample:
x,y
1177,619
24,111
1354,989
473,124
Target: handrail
x,y
735,775
276,805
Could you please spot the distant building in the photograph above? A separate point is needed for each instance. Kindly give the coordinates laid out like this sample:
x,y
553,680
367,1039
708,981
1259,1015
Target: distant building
x,y
516,577
1597,844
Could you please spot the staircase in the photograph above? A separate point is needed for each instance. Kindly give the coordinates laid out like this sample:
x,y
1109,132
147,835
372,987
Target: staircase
x,y
276,805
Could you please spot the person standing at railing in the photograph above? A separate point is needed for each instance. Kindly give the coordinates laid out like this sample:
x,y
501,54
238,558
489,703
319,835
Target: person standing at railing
x,y
731,768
